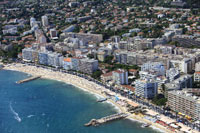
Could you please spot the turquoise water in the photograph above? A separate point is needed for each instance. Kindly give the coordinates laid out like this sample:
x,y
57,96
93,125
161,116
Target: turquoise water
x,y
47,106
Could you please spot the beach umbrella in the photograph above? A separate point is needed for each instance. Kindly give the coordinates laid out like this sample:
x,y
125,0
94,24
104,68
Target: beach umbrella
x,y
116,98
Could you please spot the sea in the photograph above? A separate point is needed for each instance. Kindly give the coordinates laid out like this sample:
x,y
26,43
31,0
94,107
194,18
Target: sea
x,y
49,106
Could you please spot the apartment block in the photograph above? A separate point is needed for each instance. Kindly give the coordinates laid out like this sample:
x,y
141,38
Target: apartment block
x,y
154,66
172,74
146,88
88,65
120,77
185,102
197,77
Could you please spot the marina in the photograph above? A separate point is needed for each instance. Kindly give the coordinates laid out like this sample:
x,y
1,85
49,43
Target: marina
x,y
28,79
96,122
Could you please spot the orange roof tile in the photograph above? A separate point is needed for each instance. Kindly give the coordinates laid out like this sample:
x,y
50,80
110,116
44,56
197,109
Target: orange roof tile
x,y
197,72
67,59
107,74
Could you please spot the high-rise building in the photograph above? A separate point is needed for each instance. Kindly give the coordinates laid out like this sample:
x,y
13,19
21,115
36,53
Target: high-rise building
x,y
88,65
32,22
197,67
45,21
146,88
53,59
27,54
53,33
43,58
42,39
120,77
185,101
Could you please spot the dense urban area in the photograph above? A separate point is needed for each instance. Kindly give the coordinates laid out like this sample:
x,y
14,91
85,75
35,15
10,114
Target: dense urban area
x,y
146,50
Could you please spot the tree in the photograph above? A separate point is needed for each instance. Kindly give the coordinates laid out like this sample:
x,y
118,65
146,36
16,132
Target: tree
x,y
108,59
90,56
97,74
159,100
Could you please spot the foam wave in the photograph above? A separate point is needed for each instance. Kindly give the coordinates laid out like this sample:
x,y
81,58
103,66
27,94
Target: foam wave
x,y
158,129
153,127
136,120
30,116
93,93
16,115
115,107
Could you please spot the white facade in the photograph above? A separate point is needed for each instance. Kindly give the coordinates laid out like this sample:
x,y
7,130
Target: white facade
x,y
45,21
197,67
32,21
120,77
184,65
197,77
154,66
42,39
145,88
172,74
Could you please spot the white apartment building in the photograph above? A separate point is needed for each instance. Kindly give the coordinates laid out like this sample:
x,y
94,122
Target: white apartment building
x,y
45,21
146,88
154,66
172,74
197,67
120,77
184,65
185,101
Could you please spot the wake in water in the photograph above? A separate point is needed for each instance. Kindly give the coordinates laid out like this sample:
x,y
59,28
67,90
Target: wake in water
x,y
16,115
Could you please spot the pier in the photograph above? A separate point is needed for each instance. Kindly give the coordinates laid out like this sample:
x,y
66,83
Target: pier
x,y
28,79
96,122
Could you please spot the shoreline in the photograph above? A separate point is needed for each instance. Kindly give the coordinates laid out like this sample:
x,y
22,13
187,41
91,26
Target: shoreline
x,y
84,85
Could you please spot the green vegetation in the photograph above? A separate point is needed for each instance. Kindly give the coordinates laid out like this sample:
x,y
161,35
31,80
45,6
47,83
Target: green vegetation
x,y
108,59
97,74
159,100
122,66
12,53
175,43
196,85
90,56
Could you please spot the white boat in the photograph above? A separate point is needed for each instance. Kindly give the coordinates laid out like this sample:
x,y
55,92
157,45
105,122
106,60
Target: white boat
x,y
145,125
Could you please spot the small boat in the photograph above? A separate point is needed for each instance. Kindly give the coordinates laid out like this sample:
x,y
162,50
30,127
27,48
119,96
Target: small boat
x,y
102,100
145,125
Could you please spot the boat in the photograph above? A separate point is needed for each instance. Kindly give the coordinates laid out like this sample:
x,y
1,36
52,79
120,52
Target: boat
x,y
145,125
102,100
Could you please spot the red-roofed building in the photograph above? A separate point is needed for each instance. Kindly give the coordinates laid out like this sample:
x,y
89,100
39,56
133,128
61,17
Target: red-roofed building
x,y
106,77
128,87
197,77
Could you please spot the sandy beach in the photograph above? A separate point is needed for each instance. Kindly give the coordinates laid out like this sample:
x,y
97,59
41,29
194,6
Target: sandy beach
x,y
95,89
